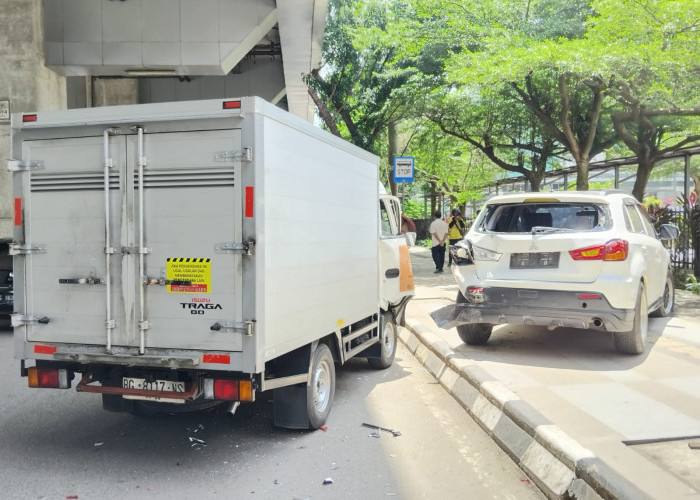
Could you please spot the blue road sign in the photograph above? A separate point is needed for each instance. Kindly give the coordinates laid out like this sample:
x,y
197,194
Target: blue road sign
x,y
403,168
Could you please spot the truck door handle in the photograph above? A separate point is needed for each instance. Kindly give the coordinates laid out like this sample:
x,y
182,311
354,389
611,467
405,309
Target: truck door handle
x,y
92,280
164,282
392,273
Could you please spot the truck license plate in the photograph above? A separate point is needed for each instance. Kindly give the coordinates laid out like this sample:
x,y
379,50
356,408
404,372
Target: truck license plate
x,y
154,385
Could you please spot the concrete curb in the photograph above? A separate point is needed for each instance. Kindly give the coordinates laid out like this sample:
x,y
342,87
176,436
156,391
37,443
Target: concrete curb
x,y
560,467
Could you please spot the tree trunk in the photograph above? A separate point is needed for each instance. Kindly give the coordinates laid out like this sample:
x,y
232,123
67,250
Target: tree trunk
x,y
582,167
393,140
644,168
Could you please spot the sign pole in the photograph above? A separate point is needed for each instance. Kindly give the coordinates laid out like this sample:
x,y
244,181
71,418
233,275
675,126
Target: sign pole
x,y
403,172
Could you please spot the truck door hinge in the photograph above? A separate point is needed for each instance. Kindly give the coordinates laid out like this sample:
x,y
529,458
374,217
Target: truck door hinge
x,y
28,319
136,250
247,327
23,166
247,248
25,249
246,154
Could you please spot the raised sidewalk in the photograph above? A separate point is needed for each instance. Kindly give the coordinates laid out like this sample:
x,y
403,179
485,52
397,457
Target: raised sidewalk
x,y
562,467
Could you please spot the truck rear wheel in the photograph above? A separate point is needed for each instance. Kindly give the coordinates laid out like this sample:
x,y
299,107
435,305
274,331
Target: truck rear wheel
x,y
387,340
321,387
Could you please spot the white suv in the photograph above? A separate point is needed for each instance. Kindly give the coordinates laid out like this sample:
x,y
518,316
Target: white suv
x,y
564,259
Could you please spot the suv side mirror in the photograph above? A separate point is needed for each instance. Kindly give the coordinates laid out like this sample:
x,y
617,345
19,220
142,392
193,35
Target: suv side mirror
x,y
669,232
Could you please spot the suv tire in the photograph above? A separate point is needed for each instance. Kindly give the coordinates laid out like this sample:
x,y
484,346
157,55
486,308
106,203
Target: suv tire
x,y
668,300
473,333
634,342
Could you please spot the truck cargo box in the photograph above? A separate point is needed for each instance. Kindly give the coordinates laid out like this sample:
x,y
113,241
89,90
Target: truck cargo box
x,y
204,235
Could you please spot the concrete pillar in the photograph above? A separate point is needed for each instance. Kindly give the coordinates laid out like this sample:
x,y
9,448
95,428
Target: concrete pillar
x,y
115,91
24,81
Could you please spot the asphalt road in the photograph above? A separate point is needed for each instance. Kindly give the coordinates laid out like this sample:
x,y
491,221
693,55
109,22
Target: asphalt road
x,y
57,444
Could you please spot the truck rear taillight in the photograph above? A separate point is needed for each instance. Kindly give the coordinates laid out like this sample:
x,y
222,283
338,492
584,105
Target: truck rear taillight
x,y
232,104
29,118
228,389
48,378
613,250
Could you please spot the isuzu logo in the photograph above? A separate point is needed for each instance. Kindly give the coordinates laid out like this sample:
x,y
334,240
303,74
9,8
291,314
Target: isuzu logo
x,y
199,305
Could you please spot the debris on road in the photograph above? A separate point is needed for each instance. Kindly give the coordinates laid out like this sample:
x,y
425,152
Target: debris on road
x,y
197,443
375,435
328,480
694,445
372,426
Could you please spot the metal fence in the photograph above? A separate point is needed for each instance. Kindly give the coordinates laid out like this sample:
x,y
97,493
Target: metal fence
x,y
685,251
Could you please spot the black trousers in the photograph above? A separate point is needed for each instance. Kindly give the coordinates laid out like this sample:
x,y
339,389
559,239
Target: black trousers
x,y
438,252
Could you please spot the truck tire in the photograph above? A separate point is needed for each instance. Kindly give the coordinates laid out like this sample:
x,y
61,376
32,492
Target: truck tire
x,y
473,333
387,340
321,387
667,301
634,342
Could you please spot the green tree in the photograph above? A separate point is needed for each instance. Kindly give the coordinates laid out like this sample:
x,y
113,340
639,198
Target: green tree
x,y
651,55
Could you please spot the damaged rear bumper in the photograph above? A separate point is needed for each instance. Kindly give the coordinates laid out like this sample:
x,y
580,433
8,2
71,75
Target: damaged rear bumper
x,y
536,307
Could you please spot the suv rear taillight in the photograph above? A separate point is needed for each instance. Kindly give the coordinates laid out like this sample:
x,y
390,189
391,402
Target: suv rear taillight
x,y
613,250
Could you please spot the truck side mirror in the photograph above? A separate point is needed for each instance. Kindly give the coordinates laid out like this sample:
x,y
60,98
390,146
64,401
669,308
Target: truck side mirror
x,y
410,239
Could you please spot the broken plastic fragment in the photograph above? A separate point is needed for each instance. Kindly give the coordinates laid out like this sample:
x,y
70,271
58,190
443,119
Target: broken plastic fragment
x,y
323,428
372,426
328,480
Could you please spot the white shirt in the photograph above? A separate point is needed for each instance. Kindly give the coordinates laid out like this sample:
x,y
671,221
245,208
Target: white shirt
x,y
439,227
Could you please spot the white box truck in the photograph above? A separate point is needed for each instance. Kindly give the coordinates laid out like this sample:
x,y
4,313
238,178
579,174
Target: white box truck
x,y
180,255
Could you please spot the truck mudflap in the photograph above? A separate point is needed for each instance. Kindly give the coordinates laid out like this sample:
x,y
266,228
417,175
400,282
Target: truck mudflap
x,y
399,310
87,385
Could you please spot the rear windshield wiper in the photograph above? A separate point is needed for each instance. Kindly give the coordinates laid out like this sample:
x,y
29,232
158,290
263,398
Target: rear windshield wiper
x,y
546,230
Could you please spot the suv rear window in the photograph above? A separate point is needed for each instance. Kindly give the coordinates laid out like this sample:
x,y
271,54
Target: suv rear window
x,y
545,216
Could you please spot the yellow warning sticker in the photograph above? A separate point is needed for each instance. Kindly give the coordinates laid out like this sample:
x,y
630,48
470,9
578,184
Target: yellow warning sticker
x,y
193,275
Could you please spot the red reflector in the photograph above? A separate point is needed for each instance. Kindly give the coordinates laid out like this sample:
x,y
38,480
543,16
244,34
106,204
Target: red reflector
x,y
223,359
18,211
588,296
29,118
249,199
226,389
476,289
44,349
232,104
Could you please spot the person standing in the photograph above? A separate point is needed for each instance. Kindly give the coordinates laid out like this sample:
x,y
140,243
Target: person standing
x,y
457,228
438,232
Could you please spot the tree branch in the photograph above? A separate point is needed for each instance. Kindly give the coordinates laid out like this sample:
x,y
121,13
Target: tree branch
x,y
323,112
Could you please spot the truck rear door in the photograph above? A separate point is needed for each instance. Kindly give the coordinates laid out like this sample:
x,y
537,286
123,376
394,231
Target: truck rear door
x,y
154,260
